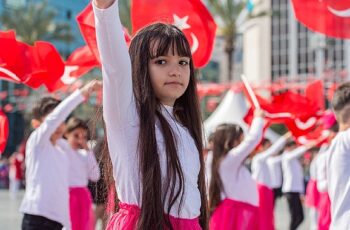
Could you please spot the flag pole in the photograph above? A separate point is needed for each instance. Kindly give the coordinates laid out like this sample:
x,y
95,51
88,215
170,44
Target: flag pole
x,y
250,91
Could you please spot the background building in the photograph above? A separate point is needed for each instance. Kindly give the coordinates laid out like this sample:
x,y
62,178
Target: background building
x,y
278,46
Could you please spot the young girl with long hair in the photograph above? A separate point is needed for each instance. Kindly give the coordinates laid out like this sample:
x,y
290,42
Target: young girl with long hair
x,y
233,195
153,125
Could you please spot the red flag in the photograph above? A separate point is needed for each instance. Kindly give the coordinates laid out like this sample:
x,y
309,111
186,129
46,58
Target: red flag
x,y
31,65
329,17
81,61
289,108
315,93
86,22
191,16
4,131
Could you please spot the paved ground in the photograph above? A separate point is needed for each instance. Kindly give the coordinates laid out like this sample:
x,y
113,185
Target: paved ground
x,y
10,218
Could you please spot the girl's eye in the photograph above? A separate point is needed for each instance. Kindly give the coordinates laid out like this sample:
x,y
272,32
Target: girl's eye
x,y
183,62
160,62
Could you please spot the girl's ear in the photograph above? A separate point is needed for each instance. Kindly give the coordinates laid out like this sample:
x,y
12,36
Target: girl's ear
x,y
35,123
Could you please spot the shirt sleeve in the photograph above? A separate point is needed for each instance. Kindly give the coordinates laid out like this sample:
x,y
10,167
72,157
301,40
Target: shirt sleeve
x,y
277,146
93,167
296,153
116,67
54,119
238,154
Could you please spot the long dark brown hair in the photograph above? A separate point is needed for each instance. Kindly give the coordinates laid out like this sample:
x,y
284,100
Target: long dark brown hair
x,y
226,137
151,42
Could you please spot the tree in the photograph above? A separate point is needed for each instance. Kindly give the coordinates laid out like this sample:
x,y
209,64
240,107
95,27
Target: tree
x,y
228,11
36,22
125,17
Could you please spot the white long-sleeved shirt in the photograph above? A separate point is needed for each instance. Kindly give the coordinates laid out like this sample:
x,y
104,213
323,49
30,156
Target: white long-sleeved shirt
x,y
338,174
82,168
47,167
237,181
122,123
321,173
293,175
274,165
260,169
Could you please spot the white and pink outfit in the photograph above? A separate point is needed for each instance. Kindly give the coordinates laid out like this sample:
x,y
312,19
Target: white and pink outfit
x,y
83,167
47,167
261,174
324,203
338,174
123,125
312,195
239,199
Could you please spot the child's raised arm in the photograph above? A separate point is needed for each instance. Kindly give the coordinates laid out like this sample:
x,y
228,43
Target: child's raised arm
x,y
239,153
116,65
54,119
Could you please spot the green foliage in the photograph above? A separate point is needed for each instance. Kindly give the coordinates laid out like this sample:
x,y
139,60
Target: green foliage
x,y
36,22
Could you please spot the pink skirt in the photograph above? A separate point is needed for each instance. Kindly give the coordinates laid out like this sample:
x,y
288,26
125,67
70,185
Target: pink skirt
x,y
324,211
234,215
312,196
80,204
266,207
127,216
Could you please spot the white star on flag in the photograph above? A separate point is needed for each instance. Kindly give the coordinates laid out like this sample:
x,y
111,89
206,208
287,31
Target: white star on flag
x,y
181,23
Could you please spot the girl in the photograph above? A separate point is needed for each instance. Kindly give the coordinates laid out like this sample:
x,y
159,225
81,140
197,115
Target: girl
x,y
82,168
233,195
153,125
261,175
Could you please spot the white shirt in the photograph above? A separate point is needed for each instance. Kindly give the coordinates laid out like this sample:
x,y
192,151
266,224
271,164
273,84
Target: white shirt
x,y
293,175
321,173
237,181
338,174
82,168
275,169
47,167
122,123
260,169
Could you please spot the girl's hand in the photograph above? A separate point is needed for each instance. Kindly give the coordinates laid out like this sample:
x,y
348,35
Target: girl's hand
x,y
103,4
259,113
90,87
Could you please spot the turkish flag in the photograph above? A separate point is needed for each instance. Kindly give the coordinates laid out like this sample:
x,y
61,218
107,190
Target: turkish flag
x,y
288,108
30,65
191,16
8,57
329,17
4,131
81,61
315,93
86,22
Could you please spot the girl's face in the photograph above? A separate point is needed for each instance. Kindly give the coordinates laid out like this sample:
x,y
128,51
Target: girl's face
x,y
170,76
77,138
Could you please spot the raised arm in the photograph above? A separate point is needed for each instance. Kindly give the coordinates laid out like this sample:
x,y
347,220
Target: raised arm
x,y
252,139
116,65
54,119
275,148
298,152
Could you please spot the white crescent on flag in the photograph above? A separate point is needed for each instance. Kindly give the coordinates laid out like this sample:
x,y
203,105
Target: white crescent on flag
x,y
340,13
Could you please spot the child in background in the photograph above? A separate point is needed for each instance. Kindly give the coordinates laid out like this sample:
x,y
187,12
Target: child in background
x,y
261,175
233,195
82,168
153,124
46,201
338,161
293,180
99,189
